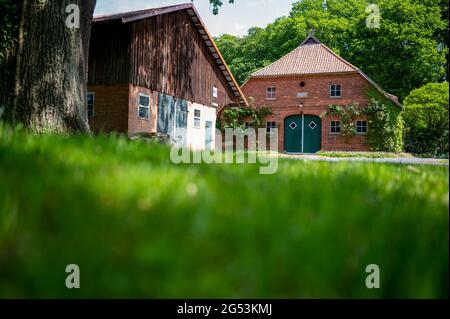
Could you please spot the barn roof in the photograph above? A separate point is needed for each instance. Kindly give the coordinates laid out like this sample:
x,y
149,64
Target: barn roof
x,y
313,57
199,25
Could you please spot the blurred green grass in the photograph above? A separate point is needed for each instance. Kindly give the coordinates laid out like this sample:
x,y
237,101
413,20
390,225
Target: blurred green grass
x,y
140,226
364,154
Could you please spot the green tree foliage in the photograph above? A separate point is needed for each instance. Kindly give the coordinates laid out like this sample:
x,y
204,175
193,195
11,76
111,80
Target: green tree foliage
x,y
427,120
215,4
408,49
9,26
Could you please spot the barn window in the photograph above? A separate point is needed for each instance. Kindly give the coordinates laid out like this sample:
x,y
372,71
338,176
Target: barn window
x,y
361,127
144,106
90,104
335,127
215,92
335,90
270,126
271,93
197,118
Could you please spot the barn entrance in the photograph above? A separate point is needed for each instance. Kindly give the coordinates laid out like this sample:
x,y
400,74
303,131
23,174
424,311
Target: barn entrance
x,y
172,118
302,134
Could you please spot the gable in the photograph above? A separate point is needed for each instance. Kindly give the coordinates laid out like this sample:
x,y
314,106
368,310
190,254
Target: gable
x,y
168,56
313,57
172,52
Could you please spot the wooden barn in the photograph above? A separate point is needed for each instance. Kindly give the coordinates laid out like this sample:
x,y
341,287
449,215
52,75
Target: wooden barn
x,y
158,71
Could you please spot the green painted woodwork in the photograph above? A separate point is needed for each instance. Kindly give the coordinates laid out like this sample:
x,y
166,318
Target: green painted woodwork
x,y
293,131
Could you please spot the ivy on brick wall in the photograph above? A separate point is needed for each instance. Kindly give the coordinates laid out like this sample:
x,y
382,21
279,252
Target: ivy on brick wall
x,y
385,132
347,115
235,117
385,124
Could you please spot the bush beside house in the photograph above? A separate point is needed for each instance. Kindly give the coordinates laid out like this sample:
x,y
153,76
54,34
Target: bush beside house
x,y
427,120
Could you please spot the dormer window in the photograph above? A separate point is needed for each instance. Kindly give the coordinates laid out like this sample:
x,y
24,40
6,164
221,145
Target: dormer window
x,y
271,93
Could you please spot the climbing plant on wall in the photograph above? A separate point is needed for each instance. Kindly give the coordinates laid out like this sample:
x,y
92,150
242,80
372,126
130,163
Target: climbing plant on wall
x,y
385,125
385,133
347,115
235,117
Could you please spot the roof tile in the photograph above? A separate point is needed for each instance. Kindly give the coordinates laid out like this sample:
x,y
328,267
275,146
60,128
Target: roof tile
x,y
311,57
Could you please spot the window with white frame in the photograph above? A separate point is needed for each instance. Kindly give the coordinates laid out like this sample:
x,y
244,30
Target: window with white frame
x,y
248,125
90,104
144,106
270,126
197,118
215,92
361,127
271,93
335,90
335,127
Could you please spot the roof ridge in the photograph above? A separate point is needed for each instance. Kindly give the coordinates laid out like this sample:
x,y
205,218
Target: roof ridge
x,y
181,6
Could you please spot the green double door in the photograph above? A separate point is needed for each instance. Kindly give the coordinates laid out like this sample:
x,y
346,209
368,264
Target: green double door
x,y
302,134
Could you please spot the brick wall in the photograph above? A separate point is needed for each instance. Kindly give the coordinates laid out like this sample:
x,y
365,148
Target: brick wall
x,y
110,108
353,87
135,124
116,109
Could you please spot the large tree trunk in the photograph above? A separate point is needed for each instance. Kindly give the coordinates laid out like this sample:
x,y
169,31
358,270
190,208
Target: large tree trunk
x,y
51,61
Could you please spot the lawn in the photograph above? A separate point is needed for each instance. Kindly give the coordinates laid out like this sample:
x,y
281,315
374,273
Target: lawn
x,y
364,154
140,226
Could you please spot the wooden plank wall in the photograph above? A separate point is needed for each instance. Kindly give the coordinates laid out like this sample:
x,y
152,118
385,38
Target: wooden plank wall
x,y
109,54
169,55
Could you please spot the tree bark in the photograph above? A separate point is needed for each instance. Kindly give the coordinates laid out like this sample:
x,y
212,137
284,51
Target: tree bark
x,y
51,64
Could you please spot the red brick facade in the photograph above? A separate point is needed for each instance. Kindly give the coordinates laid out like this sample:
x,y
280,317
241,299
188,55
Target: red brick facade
x,y
317,101
110,108
116,109
136,124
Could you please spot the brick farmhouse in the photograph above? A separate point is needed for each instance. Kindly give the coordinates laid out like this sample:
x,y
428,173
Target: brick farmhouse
x,y
299,88
158,71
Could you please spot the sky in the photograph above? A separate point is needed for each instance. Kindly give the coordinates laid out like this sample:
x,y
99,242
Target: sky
x,y
233,19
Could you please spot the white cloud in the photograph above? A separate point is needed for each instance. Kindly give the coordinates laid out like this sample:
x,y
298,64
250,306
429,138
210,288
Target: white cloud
x,y
234,18
240,27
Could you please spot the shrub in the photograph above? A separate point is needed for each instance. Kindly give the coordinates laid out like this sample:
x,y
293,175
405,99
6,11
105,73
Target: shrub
x,y
426,120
